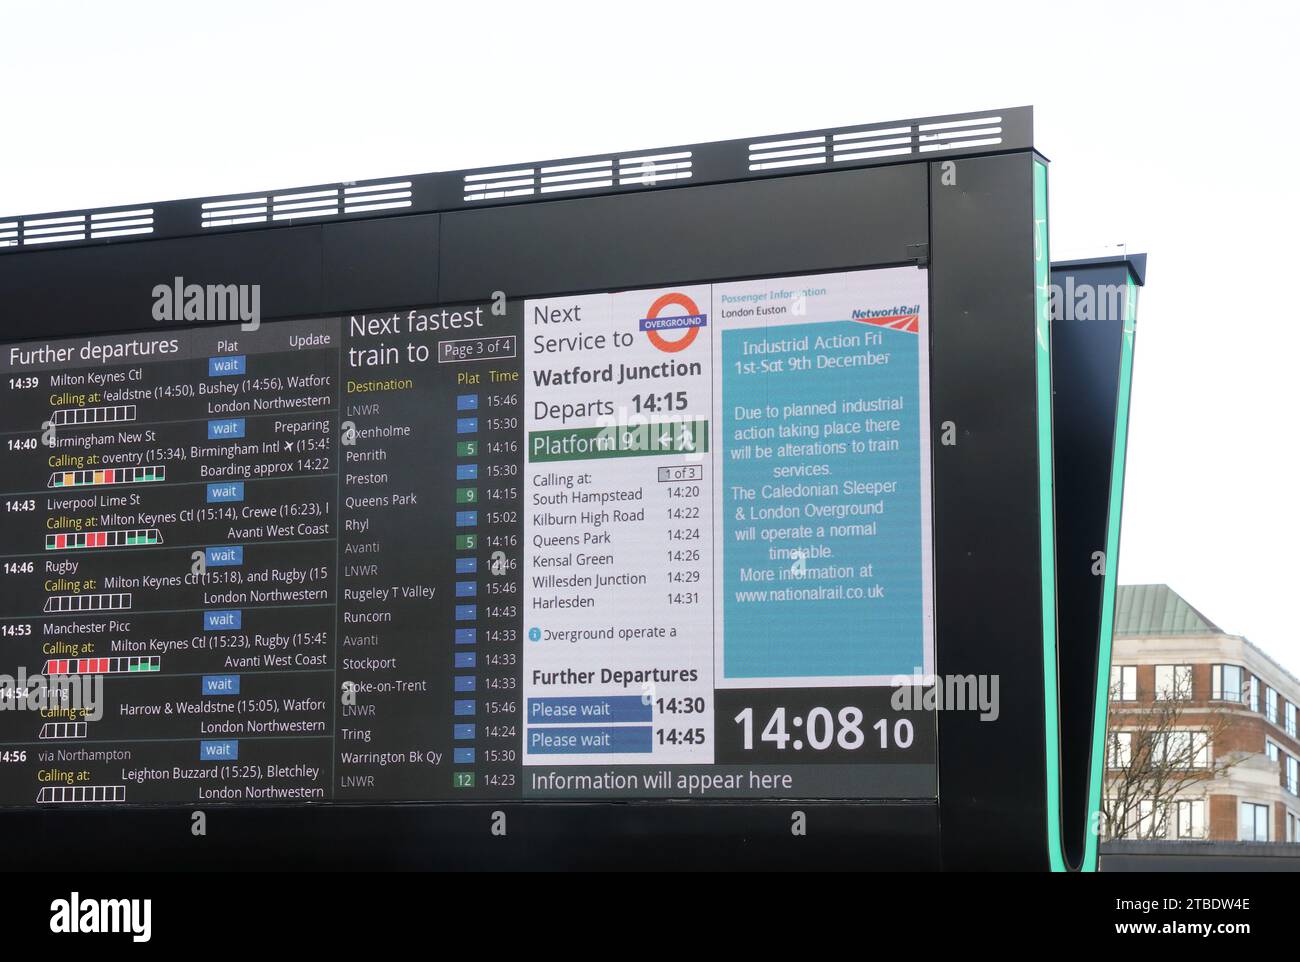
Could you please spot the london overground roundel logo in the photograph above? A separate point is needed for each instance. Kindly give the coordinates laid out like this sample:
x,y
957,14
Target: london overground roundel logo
x,y
693,320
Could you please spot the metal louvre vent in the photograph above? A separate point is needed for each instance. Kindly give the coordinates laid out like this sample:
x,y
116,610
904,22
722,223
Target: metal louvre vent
x,y
325,202
121,223
54,230
872,143
364,197
866,144
635,170
960,134
307,203
91,225
520,182
579,176
799,152
227,213
649,169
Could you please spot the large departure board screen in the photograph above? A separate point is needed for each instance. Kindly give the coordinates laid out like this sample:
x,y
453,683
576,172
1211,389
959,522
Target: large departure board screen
x,y
660,543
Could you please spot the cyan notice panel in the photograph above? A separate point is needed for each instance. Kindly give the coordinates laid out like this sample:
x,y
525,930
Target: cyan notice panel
x,y
661,543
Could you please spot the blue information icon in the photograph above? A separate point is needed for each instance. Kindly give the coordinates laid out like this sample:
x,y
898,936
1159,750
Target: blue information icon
x,y
534,634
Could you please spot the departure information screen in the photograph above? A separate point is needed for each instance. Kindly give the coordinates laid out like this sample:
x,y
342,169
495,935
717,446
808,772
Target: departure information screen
x,y
660,543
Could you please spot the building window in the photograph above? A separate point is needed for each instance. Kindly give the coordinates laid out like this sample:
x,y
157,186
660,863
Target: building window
x,y
1173,682
1271,750
1120,752
1254,693
1254,822
1292,827
1201,749
1181,749
1225,683
1293,775
1270,705
1124,683
1290,719
1190,816
1151,819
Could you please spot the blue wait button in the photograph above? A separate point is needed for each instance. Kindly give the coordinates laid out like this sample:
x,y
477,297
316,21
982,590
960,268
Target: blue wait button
x,y
226,751
223,556
590,741
227,365
229,620
225,491
221,684
226,428
589,709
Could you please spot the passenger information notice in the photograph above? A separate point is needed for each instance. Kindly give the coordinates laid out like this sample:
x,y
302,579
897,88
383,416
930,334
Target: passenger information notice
x,y
659,543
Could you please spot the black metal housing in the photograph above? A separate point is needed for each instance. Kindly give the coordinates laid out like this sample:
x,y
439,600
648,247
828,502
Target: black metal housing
x,y
865,196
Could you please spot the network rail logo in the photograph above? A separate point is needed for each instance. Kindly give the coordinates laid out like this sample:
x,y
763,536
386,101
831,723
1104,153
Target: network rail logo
x,y
897,318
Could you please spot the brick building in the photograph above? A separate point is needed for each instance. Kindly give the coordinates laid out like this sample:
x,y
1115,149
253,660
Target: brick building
x,y
1230,715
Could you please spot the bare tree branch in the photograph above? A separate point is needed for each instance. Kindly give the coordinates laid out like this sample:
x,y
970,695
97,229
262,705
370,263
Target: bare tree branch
x,y
1158,750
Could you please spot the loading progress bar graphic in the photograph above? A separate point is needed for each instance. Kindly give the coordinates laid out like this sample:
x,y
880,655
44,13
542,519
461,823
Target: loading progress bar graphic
x,y
102,666
120,601
64,730
82,793
81,479
104,415
103,539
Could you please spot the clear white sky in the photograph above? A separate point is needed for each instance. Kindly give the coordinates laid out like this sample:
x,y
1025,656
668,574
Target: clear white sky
x,y
1172,129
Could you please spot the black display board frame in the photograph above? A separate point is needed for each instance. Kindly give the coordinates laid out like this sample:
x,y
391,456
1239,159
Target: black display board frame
x,y
946,195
